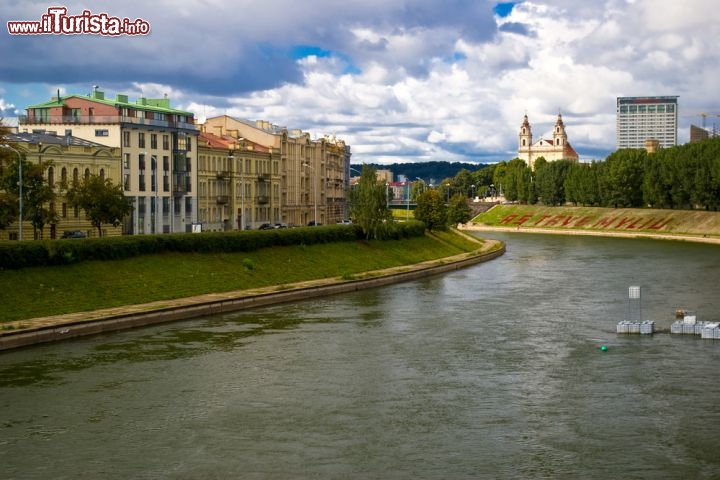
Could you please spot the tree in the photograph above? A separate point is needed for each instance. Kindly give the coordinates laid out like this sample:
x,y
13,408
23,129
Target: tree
x,y
458,210
369,205
431,210
39,197
102,201
9,198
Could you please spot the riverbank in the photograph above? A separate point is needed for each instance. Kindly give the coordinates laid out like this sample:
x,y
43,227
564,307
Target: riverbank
x,y
679,225
57,327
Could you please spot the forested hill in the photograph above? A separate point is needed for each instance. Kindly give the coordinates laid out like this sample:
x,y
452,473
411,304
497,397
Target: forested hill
x,y
430,172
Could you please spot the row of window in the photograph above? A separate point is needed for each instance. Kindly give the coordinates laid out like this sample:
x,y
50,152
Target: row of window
x,y
75,175
184,142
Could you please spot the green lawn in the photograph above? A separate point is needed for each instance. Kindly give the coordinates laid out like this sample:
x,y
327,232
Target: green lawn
x,y
36,292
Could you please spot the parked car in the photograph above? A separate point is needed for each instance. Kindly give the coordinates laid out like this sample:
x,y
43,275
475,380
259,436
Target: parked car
x,y
266,226
74,234
281,225
345,222
312,223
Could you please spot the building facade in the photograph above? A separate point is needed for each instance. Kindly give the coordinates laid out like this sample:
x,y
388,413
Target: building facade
x,y
67,160
557,148
313,175
158,147
646,118
238,184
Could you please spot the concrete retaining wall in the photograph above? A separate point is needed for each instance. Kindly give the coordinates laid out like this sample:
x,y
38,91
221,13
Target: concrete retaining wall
x,y
9,340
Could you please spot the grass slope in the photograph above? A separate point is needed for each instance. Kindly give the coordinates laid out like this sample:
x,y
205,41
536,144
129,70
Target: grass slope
x,y
618,220
36,292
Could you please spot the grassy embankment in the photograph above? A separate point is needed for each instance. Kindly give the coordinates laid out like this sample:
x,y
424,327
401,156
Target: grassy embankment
x,y
627,221
36,292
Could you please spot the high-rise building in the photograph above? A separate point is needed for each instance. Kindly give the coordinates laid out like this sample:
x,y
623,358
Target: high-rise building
x,y
646,118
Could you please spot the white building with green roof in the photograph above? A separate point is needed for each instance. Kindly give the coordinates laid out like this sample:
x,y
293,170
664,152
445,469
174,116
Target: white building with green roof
x,y
158,150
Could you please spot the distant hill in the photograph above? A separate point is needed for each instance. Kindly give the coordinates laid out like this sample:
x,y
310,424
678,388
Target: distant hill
x,y
430,172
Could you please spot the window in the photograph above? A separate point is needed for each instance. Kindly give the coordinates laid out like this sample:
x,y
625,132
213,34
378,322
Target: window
x,y
166,142
141,161
141,180
153,141
126,161
126,139
141,140
87,173
102,174
64,210
102,133
63,176
126,182
68,132
166,163
189,143
75,176
51,176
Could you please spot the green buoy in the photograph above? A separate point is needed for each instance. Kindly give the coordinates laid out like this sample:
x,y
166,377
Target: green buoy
x,y
603,348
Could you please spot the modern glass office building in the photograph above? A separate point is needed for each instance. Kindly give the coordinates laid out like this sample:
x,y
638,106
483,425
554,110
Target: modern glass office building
x,y
646,118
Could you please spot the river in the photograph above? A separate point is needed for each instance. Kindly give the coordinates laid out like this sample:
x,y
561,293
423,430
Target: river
x,y
494,371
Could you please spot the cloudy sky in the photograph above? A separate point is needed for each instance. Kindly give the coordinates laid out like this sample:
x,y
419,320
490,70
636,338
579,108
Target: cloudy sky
x,y
399,81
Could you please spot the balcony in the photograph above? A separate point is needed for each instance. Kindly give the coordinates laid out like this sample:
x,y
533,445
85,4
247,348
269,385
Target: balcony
x,y
223,175
223,199
263,199
263,177
102,120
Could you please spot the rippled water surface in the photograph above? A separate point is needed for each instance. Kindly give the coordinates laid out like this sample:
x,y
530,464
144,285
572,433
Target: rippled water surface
x,y
494,371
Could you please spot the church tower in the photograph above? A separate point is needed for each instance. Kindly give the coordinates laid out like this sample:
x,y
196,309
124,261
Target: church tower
x,y
559,135
525,136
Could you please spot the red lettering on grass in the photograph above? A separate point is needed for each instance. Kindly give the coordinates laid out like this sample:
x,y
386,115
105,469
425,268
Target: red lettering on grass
x,y
542,219
507,219
659,224
523,219
622,222
604,222
582,221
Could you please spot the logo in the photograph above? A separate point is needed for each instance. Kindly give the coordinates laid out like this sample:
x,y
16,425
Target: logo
x,y
57,22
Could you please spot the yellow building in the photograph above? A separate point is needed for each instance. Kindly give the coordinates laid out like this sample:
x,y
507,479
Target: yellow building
x,y
238,184
313,174
70,159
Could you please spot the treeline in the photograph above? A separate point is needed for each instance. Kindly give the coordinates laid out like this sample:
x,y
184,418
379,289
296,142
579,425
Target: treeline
x,y
682,177
429,172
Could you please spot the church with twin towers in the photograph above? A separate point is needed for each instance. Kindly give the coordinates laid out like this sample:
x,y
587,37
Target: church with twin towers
x,y
556,148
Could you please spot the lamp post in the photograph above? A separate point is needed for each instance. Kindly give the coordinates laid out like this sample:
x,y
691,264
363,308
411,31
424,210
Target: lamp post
x,y
407,193
20,187
473,191
306,164
231,157
447,193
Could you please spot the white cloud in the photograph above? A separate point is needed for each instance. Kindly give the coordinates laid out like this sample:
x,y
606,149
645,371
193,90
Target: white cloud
x,y
402,81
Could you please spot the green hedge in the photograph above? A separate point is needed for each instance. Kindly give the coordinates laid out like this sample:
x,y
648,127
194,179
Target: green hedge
x,y
16,255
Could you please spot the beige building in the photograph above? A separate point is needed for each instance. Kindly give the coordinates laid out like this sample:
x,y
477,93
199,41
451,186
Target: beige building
x,y
70,159
556,148
238,184
158,152
313,174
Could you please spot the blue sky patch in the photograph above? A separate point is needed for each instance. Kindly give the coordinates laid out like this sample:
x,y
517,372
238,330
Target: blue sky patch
x,y
503,9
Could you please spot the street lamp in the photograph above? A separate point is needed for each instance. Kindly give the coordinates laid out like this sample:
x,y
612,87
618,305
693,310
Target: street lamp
x,y
20,186
473,191
447,192
306,164
231,157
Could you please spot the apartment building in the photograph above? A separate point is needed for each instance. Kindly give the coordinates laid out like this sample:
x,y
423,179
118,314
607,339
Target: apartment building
x,y
312,174
238,183
157,145
646,118
67,159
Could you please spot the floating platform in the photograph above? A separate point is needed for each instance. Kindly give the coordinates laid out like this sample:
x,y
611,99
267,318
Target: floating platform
x,y
646,327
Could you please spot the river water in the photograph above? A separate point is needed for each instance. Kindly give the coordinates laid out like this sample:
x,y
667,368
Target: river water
x,y
494,371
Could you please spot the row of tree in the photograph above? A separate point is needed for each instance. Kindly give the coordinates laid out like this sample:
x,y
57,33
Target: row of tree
x,y
681,177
